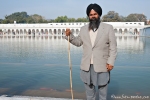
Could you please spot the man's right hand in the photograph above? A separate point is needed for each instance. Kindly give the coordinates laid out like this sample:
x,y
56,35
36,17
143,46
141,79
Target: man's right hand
x,y
68,32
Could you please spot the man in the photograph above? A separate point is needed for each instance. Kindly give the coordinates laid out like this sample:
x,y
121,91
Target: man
x,y
99,52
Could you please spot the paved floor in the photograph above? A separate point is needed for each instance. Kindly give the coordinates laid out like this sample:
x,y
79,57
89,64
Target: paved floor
x,y
5,97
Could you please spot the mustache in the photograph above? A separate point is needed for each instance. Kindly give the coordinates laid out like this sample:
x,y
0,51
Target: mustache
x,y
93,19
94,23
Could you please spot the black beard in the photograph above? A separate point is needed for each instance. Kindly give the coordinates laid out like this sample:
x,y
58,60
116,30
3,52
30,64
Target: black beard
x,y
94,23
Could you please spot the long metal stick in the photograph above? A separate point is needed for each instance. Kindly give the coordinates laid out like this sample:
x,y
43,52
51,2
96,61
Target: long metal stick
x,y
70,66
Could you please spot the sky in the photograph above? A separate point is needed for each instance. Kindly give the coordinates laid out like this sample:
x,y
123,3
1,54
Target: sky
x,y
51,9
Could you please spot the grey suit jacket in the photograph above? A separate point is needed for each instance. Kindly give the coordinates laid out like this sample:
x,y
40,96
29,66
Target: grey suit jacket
x,y
104,50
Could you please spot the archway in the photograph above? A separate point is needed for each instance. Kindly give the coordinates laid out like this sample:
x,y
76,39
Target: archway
x,y
37,31
63,32
55,31
46,31
120,31
42,31
115,30
59,31
17,31
72,31
4,31
21,31
135,31
77,31
33,32
50,31
1,32
29,31
125,31
25,31
13,32
131,31
9,31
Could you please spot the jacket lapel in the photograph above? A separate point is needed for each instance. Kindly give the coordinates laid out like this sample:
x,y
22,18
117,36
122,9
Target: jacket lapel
x,y
99,34
88,35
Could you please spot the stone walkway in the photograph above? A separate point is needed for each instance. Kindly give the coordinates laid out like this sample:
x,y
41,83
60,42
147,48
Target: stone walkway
x,y
5,97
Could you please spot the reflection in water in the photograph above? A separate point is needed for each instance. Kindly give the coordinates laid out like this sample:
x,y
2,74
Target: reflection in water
x,y
134,43
145,32
35,63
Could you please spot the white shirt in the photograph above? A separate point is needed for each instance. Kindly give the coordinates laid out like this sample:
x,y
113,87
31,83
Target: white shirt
x,y
92,37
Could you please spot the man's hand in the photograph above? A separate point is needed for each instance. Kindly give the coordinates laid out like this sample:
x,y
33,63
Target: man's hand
x,y
68,32
109,67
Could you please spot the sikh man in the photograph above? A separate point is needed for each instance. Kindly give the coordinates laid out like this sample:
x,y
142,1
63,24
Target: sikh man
x,y
99,52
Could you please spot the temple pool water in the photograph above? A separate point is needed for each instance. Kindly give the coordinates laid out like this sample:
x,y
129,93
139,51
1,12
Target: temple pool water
x,y
38,66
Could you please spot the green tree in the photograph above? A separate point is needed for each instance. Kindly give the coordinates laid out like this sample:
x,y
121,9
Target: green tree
x,y
19,17
111,16
136,18
51,20
122,18
82,19
37,18
61,19
71,19
6,21
1,20
29,20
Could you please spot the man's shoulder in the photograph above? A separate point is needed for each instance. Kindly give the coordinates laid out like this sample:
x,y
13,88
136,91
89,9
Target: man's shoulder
x,y
85,26
106,25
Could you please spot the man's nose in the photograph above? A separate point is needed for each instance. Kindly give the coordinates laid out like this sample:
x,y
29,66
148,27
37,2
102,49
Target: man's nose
x,y
93,15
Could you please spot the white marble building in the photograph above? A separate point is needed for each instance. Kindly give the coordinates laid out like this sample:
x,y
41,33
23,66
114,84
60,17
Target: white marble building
x,y
120,28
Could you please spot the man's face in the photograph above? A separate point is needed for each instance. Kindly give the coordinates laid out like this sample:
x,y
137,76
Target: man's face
x,y
93,15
